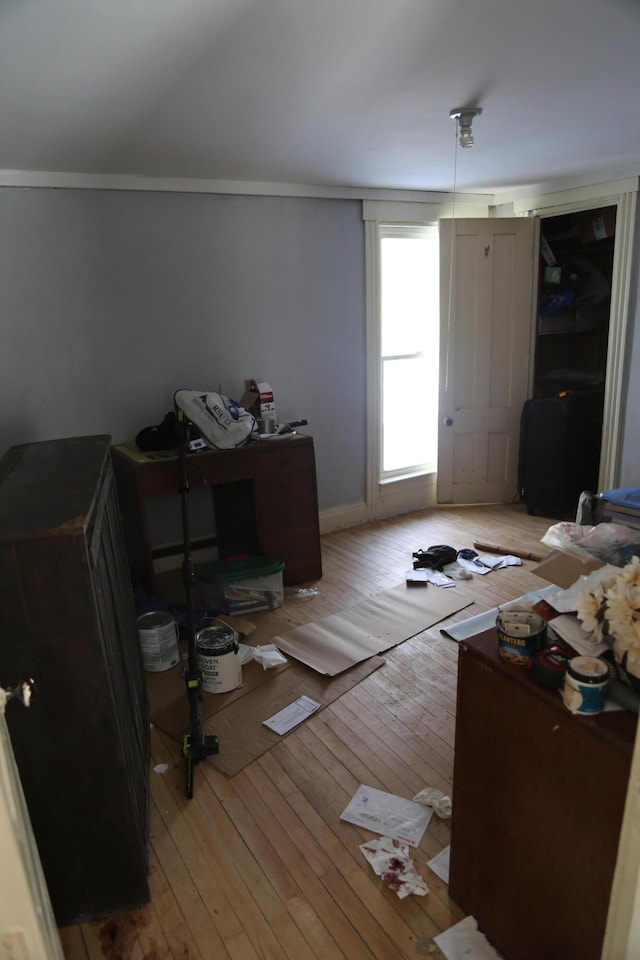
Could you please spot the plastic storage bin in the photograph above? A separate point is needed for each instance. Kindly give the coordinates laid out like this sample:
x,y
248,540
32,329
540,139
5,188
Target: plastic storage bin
x,y
625,497
244,585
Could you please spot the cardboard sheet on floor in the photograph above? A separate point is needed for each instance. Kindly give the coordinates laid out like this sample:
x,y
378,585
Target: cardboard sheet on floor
x,y
167,693
243,735
237,716
337,642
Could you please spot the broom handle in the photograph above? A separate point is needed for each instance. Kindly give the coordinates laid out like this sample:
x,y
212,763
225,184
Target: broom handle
x,y
492,548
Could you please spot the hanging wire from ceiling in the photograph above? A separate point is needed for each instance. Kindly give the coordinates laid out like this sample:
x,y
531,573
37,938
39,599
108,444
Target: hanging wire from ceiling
x,y
451,252
463,136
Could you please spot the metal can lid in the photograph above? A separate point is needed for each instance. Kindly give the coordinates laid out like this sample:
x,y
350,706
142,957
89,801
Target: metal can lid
x,y
155,618
216,639
588,669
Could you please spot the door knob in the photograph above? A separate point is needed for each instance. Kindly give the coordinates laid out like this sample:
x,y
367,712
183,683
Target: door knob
x,y
448,421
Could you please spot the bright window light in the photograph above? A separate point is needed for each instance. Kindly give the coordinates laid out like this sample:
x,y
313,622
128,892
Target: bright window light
x,y
409,339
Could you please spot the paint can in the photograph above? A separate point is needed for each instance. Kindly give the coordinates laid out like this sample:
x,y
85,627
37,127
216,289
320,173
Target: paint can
x,y
217,653
520,635
585,685
158,635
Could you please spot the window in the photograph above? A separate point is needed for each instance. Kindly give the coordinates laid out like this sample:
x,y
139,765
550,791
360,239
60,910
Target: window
x,y
409,322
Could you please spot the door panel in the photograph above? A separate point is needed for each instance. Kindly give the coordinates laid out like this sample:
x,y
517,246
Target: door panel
x,y
27,925
486,284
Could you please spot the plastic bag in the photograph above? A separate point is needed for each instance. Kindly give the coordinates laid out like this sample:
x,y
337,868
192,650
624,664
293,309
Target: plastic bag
x,y
269,656
223,423
606,542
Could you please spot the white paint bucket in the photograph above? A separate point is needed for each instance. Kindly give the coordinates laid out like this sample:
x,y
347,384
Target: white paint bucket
x,y
217,646
158,634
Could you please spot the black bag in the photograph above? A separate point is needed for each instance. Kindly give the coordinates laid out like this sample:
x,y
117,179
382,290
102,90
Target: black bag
x,y
161,437
559,453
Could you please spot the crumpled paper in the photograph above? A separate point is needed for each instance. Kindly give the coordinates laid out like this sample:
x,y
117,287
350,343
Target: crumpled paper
x,y
392,861
430,797
267,655
464,940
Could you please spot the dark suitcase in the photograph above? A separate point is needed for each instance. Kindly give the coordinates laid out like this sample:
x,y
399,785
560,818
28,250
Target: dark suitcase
x,y
559,453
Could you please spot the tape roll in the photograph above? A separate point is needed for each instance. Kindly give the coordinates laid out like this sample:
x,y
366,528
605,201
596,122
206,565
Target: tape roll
x,y
549,666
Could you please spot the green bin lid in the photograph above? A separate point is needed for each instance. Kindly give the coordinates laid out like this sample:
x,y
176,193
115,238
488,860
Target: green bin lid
x,y
246,568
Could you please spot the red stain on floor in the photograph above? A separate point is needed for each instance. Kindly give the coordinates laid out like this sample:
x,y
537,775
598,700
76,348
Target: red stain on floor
x,y
119,935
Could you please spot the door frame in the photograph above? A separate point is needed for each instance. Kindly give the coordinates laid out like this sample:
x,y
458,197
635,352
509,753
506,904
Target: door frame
x,y
27,924
623,195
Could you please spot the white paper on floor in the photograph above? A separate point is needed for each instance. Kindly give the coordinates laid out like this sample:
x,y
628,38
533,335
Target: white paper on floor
x,y
465,942
291,715
440,864
392,861
387,814
484,621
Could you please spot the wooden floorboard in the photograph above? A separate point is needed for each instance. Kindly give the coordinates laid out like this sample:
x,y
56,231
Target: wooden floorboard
x,y
260,865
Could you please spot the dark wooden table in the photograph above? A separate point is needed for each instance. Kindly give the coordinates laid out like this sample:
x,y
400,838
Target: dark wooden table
x,y
265,502
538,799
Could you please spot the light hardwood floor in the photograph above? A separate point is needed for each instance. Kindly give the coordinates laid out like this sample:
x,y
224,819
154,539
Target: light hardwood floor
x,y
260,865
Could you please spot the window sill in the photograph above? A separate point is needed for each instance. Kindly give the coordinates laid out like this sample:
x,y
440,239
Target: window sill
x,y
425,472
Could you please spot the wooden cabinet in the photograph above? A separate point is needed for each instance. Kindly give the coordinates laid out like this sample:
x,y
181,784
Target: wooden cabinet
x,y
67,619
264,496
538,798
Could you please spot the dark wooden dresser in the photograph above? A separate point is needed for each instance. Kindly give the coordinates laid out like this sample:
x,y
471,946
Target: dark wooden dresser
x,y
538,799
265,501
67,619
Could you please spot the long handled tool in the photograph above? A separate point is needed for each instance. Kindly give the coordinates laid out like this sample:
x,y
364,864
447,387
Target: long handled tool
x,y
492,548
196,745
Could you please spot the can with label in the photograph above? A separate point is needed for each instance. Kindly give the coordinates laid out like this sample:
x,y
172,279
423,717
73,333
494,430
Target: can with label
x,y
158,635
217,652
520,635
585,685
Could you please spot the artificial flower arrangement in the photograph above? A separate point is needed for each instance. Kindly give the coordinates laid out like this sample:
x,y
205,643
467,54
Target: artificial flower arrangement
x,y
612,612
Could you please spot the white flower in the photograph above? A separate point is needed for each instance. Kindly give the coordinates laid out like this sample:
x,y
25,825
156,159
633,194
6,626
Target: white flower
x,y
623,602
627,640
590,611
613,609
631,573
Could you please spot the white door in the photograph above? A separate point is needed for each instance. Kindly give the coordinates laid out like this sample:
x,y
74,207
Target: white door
x,y
27,925
486,280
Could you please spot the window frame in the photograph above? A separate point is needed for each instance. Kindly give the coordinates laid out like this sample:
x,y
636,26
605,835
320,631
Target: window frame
x,y
412,491
394,230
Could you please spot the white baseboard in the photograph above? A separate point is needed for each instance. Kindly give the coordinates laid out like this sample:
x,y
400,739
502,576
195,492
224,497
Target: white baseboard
x,y
406,495
394,499
339,518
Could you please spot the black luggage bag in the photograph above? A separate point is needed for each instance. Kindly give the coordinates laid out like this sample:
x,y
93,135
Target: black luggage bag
x,y
559,452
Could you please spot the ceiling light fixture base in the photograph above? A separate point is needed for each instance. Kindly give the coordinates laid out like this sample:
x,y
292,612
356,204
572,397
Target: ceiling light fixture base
x,y
465,117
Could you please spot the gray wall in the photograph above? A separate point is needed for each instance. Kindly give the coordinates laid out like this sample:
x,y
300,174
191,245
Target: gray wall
x,y
112,300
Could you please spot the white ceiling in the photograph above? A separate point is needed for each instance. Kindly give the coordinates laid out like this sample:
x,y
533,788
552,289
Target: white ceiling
x,y
322,92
